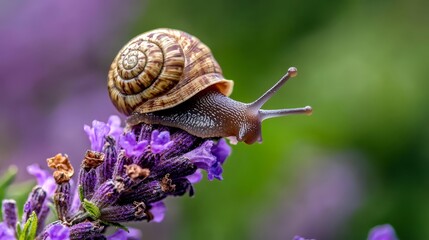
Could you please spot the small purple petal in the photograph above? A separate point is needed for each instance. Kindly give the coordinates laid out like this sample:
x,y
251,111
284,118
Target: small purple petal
x,y
221,150
96,134
158,211
120,234
202,156
114,123
215,171
382,232
58,232
44,179
196,177
6,233
160,141
130,145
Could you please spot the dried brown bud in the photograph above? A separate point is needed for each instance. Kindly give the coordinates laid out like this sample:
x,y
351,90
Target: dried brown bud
x,y
64,170
92,159
140,209
167,184
135,172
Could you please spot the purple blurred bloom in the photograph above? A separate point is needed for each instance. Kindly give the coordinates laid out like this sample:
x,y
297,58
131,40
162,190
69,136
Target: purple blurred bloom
x,y
160,141
44,179
130,145
10,213
6,233
300,238
58,232
66,87
382,232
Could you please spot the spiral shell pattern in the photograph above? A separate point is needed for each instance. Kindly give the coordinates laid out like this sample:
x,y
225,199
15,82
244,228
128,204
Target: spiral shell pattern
x,y
160,69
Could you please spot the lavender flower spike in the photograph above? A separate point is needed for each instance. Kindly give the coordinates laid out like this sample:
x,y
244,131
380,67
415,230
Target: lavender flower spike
x,y
10,213
382,232
124,178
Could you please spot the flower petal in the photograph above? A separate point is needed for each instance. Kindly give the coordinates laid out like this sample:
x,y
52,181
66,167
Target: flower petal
x,y
158,211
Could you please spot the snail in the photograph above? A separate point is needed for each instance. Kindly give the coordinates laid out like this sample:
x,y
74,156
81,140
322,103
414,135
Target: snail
x,y
171,78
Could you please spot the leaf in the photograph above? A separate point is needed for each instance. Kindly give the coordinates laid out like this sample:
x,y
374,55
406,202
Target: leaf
x,y
18,229
7,179
91,209
53,209
30,228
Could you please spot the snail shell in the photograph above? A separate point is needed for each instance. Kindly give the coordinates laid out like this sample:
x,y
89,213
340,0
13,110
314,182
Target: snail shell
x,y
160,69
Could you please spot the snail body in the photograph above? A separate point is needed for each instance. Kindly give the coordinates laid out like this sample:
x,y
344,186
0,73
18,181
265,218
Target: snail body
x,y
169,77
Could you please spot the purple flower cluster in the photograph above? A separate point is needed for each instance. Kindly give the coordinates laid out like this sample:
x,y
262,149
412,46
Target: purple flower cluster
x,y
124,177
381,232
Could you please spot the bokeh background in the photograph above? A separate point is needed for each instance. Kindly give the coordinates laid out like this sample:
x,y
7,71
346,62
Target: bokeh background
x,y
360,160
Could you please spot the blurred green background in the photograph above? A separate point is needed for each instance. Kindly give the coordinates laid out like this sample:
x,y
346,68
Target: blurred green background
x,y
360,160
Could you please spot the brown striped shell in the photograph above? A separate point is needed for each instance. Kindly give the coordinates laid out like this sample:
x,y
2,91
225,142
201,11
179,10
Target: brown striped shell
x,y
160,69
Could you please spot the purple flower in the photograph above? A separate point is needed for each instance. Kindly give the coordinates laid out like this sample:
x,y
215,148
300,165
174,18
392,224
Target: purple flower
x,y
382,232
58,232
124,178
99,130
160,141
202,156
221,150
210,157
130,145
196,177
114,123
44,179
